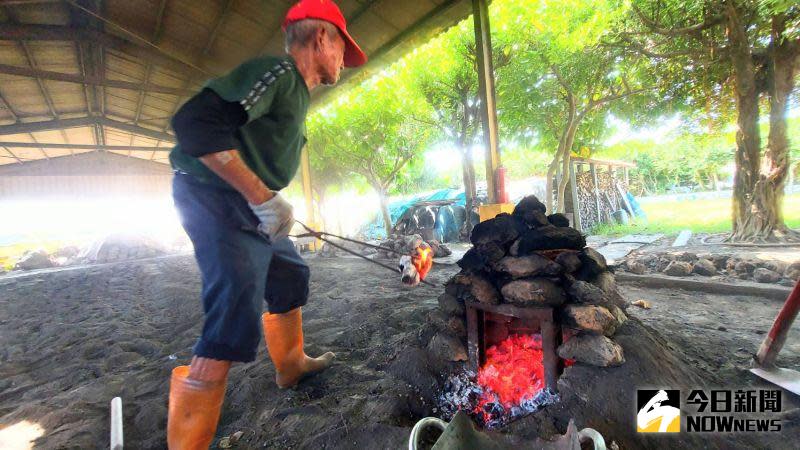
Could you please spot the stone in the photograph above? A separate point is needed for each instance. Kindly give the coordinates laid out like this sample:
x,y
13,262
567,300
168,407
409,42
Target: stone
x,y
593,350
480,288
686,257
558,220
662,263
473,260
678,269
775,266
592,263
744,267
450,305
608,284
705,268
533,292
32,260
569,260
763,275
648,259
793,272
550,238
584,292
527,266
491,251
502,230
514,249
439,250
591,318
618,314
447,347
528,205
635,267
720,261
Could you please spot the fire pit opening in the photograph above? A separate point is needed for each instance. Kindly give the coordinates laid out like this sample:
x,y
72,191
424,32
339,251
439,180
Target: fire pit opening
x,y
489,327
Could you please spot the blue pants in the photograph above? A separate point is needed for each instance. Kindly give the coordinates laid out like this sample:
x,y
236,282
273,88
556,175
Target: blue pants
x,y
239,267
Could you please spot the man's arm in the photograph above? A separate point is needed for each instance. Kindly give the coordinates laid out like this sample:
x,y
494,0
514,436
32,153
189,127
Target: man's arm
x,y
229,166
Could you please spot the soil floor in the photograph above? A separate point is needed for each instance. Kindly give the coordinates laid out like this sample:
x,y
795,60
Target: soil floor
x,y
73,339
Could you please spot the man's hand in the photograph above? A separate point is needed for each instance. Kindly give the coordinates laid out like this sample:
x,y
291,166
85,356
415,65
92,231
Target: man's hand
x,y
275,216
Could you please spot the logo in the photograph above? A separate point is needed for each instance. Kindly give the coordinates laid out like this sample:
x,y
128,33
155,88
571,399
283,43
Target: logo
x,y
659,411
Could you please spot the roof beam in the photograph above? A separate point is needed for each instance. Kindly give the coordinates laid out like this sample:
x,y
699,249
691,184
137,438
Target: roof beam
x,y
29,32
136,129
90,80
32,127
157,31
135,148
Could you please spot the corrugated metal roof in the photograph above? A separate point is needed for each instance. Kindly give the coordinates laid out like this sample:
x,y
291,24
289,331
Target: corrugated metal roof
x,y
138,59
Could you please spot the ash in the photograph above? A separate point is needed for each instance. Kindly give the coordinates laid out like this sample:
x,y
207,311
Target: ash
x,y
462,392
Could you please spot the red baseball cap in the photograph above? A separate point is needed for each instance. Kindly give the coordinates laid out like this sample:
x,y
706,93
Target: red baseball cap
x,y
328,11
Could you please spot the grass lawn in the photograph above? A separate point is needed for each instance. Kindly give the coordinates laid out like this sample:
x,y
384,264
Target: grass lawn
x,y
700,216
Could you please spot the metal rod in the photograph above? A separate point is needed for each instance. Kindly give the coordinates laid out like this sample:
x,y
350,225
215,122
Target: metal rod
x,y
116,424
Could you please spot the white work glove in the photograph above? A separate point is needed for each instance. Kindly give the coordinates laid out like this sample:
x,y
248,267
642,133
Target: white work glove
x,y
275,217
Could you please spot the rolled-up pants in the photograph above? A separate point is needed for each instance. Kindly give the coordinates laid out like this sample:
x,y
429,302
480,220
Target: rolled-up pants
x,y
240,269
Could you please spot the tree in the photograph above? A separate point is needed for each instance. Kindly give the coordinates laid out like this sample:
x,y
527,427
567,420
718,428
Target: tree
x,y
367,132
753,46
565,78
445,73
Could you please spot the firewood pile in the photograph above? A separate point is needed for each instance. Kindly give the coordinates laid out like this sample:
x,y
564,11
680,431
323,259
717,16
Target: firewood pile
x,y
610,197
529,259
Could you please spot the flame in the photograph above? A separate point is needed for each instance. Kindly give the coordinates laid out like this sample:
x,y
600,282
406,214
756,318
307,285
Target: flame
x,y
423,260
513,372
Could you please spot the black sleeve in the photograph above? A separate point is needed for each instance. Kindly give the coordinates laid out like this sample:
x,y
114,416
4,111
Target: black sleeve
x,y
207,124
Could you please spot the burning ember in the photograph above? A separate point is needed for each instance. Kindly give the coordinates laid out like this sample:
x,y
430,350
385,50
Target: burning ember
x,y
513,371
510,385
414,268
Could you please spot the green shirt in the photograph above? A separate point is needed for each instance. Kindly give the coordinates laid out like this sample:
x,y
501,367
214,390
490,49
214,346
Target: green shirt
x,y
276,99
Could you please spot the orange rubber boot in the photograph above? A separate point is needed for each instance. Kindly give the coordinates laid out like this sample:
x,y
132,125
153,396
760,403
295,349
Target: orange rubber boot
x,y
284,336
194,408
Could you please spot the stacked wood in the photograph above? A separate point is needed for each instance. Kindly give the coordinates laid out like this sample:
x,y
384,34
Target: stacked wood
x,y
608,197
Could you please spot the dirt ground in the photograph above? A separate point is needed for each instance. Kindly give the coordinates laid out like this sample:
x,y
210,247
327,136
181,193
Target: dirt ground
x,y
73,339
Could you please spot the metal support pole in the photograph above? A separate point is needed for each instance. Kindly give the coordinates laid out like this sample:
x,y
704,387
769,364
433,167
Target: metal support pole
x,y
305,169
486,91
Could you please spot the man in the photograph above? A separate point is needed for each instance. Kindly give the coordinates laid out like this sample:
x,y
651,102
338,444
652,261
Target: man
x,y
239,143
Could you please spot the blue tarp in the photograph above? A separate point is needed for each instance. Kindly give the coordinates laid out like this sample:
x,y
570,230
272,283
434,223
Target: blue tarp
x,y
374,228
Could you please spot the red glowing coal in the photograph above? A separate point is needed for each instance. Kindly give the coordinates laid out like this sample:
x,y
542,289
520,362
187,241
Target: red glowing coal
x,y
513,371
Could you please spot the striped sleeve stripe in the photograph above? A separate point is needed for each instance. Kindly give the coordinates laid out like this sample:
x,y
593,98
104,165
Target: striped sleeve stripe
x,y
264,83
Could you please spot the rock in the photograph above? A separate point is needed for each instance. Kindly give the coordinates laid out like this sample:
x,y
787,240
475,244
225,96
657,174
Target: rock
x,y
526,207
744,267
644,304
775,266
705,268
618,314
473,260
514,249
678,269
450,305
32,260
763,275
447,347
452,324
558,220
608,284
793,272
491,251
569,260
527,266
593,350
439,250
635,267
480,288
662,263
595,319
533,292
648,259
592,263
583,292
686,257
550,238
502,230
720,261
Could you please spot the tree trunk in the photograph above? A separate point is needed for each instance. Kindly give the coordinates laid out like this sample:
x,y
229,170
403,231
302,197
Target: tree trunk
x,y
566,161
748,139
470,188
764,221
387,218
